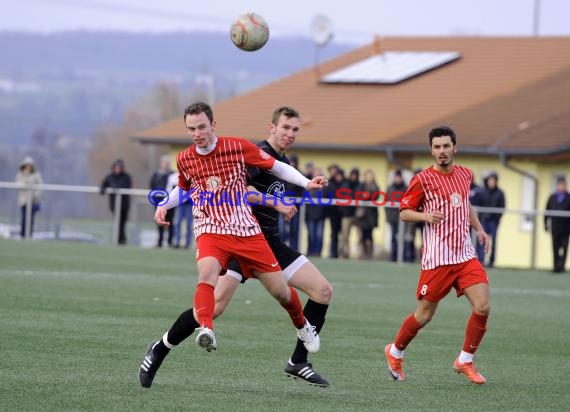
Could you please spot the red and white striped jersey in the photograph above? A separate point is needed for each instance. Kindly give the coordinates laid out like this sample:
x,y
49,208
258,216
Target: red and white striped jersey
x,y
447,242
217,185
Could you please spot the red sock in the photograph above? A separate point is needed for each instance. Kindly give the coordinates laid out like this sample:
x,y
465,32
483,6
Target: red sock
x,y
408,331
295,309
204,303
476,328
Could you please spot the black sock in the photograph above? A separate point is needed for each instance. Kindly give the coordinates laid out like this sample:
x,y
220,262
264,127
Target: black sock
x,y
182,328
315,314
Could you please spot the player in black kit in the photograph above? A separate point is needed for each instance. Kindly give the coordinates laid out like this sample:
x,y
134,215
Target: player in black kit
x,y
300,273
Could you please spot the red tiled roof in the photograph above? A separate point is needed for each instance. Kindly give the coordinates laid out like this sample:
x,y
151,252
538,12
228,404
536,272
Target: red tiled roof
x,y
487,96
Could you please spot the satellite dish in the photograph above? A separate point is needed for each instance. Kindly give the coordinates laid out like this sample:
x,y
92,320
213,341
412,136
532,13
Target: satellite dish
x,y
321,30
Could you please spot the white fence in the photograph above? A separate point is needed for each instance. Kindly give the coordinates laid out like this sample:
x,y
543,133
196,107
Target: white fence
x,y
141,204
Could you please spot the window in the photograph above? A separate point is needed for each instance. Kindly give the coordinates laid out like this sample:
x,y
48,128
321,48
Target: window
x,y
528,201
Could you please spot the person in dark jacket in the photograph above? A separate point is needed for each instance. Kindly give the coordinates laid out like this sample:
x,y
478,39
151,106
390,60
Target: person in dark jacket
x,y
159,180
290,229
475,200
475,194
559,226
367,217
337,182
119,179
315,223
395,192
349,220
491,196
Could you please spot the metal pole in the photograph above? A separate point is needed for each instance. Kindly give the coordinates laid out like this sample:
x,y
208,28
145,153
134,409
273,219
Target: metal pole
x,y
536,17
116,216
317,62
28,226
534,227
135,220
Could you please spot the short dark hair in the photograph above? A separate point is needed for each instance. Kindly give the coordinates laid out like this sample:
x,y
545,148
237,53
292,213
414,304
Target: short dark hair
x,y
200,107
286,111
441,131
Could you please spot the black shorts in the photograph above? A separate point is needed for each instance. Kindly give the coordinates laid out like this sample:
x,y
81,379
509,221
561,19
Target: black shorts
x,y
283,253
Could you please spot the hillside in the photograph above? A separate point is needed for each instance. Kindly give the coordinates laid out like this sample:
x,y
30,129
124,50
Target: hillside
x,y
71,82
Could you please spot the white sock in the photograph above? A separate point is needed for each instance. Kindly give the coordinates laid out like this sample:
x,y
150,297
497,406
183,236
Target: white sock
x,y
165,341
395,352
465,357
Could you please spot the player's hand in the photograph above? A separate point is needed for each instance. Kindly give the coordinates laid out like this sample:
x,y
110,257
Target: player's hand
x,y
434,217
160,216
287,211
483,239
318,182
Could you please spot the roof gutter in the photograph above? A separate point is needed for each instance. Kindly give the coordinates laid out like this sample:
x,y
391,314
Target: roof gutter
x,y
505,163
392,159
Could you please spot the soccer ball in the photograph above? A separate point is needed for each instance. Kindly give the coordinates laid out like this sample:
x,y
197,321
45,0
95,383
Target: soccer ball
x,y
249,32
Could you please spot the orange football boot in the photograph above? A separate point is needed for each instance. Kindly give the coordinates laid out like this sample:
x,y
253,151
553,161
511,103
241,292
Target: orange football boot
x,y
394,365
469,369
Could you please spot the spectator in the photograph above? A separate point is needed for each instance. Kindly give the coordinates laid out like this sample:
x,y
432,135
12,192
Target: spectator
x,y
309,170
337,182
119,179
559,226
315,222
28,175
491,196
183,214
475,194
475,199
410,244
367,216
290,231
414,228
395,192
348,215
159,180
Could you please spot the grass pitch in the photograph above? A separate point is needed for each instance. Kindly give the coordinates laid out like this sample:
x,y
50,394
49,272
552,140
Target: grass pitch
x,y
76,319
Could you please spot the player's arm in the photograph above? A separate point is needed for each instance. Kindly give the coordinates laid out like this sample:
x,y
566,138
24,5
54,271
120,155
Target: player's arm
x,y
172,200
292,175
413,216
256,198
254,156
412,201
176,197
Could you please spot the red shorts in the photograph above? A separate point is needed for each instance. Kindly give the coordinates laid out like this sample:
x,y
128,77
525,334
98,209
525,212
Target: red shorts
x,y
251,252
435,284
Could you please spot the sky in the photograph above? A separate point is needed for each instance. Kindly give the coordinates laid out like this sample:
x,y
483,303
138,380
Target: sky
x,y
354,21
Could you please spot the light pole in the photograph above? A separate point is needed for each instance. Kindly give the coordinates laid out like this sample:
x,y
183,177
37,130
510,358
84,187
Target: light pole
x,y
536,17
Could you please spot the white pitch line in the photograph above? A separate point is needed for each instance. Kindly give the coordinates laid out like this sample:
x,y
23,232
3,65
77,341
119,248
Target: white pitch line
x,y
54,273
541,292
90,275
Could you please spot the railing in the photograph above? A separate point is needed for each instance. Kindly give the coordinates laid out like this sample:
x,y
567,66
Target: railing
x,y
77,189
533,214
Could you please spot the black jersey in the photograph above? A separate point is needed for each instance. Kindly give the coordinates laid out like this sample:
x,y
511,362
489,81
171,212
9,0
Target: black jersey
x,y
266,182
